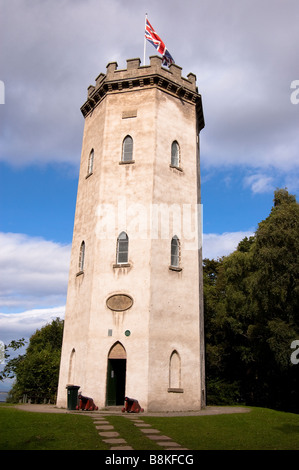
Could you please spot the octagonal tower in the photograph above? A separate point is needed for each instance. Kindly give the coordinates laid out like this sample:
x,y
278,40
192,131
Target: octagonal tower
x,y
134,313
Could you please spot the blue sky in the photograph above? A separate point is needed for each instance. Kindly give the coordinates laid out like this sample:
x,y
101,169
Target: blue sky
x,y
245,56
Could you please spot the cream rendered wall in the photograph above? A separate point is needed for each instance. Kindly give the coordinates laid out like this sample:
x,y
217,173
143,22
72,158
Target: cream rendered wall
x,y
131,183
165,315
174,318
77,315
87,317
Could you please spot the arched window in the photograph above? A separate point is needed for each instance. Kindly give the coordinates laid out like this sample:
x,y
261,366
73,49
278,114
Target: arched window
x,y
175,154
127,153
71,374
122,253
90,162
175,371
81,256
175,252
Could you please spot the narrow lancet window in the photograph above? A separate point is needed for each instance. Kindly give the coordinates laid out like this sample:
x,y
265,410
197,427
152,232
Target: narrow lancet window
x,y
175,252
127,152
175,154
175,371
81,257
90,162
122,255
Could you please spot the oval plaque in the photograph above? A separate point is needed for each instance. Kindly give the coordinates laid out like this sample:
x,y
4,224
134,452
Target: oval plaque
x,y
119,302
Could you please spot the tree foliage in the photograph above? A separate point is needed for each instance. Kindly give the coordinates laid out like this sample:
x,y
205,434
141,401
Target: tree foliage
x,y
8,371
37,371
252,315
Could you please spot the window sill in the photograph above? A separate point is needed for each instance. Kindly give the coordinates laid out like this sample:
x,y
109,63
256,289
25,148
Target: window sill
x,y
174,268
175,390
79,273
176,167
89,174
122,265
126,163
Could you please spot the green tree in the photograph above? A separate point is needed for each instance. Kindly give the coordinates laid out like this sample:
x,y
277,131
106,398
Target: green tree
x,y
227,317
252,314
8,371
37,370
274,288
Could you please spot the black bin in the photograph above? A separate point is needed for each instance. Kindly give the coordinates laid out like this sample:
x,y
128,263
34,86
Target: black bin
x,y
72,396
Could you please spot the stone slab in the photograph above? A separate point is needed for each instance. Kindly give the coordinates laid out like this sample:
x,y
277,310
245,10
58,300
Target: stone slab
x,y
109,434
121,448
105,427
168,444
156,437
115,441
149,431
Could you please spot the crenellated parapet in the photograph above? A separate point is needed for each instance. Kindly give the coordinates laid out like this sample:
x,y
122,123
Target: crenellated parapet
x,y
144,76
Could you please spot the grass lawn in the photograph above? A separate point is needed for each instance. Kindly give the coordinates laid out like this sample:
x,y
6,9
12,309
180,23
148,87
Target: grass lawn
x,y
23,430
260,429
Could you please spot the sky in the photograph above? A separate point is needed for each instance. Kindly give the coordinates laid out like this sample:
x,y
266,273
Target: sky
x,y
245,57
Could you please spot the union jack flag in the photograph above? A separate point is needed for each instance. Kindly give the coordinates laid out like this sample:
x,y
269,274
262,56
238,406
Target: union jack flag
x,y
156,41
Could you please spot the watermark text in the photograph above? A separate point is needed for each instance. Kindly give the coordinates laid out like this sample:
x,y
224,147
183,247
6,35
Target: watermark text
x,y
295,94
2,92
151,221
295,354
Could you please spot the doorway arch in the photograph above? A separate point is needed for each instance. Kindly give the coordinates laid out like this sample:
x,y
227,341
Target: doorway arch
x,y
116,375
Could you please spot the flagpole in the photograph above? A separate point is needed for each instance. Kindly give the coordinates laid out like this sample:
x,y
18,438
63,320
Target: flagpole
x,y
144,46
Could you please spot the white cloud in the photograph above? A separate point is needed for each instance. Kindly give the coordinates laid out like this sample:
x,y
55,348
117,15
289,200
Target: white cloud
x,y
216,245
259,183
262,182
51,52
33,272
24,324
245,60
14,326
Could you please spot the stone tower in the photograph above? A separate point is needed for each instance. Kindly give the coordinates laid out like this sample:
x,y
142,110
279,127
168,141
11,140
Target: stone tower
x,y
134,313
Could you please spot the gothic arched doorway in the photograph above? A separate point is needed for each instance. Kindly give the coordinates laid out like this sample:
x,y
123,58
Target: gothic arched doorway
x,y
116,375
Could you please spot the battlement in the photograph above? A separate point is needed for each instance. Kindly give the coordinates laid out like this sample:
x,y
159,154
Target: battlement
x,y
134,70
142,76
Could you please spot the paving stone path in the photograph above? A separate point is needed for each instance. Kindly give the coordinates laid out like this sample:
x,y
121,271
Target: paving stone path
x,y
116,442
154,434
109,435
